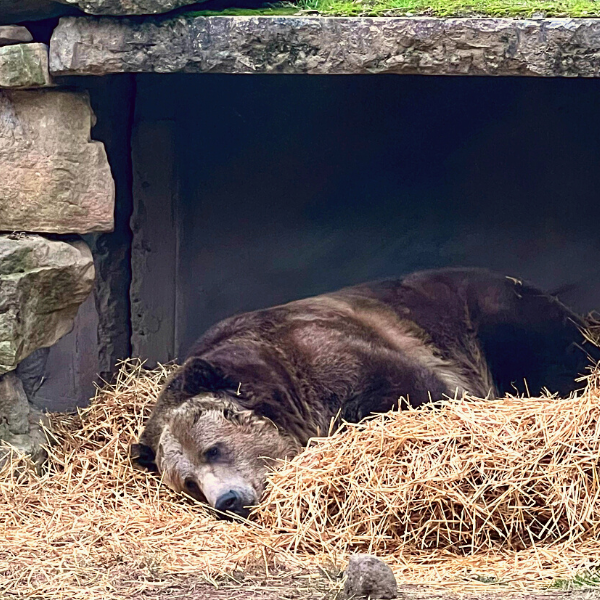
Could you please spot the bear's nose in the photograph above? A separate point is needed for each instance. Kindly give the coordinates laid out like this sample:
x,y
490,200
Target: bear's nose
x,y
231,502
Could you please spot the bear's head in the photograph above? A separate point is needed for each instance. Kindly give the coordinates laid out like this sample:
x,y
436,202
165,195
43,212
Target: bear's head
x,y
211,448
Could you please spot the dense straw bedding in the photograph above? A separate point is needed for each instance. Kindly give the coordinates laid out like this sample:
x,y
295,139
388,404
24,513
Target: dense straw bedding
x,y
473,475
504,490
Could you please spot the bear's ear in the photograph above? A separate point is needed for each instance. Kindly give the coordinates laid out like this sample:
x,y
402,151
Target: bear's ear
x,y
199,375
143,456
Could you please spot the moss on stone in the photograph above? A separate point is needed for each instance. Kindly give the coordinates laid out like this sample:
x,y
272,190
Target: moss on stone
x,y
438,8
24,65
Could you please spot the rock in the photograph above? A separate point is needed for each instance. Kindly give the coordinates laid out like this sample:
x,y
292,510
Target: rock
x,y
20,423
14,11
42,284
367,576
31,443
53,178
14,408
14,34
24,66
128,7
418,45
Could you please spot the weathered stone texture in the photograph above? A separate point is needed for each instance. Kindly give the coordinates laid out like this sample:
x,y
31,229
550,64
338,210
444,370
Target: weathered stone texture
x,y
20,423
14,408
52,177
42,284
24,66
13,11
14,34
419,45
128,7
369,577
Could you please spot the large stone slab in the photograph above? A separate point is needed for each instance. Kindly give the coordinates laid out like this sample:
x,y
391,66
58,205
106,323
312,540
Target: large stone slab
x,y
53,178
419,45
24,66
42,284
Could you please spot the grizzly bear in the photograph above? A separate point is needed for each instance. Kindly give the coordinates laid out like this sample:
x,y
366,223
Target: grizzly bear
x,y
257,386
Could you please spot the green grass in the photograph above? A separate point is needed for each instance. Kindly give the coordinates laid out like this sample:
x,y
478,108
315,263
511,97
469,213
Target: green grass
x,y
456,8
437,8
586,579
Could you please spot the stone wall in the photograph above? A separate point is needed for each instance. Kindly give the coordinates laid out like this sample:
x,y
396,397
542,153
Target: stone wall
x,y
54,181
326,46
102,329
43,283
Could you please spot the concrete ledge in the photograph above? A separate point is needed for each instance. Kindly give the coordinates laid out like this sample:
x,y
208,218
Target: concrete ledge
x,y
317,45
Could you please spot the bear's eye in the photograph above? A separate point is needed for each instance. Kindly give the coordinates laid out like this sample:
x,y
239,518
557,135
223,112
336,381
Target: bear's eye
x,y
212,453
192,488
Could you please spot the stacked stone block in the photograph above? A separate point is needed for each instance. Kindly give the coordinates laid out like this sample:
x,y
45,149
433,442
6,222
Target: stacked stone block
x,y
53,180
24,9
23,62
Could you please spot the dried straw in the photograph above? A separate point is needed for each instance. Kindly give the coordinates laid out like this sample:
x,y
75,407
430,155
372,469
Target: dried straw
x,y
474,491
92,526
473,475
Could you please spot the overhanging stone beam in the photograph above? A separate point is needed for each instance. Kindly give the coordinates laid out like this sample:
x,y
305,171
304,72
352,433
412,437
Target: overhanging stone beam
x,y
318,45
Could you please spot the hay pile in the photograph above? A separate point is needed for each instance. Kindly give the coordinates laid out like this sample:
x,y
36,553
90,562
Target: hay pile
x,y
474,475
93,527
504,490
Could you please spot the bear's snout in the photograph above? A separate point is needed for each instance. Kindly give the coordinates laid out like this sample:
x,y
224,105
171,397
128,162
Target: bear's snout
x,y
231,502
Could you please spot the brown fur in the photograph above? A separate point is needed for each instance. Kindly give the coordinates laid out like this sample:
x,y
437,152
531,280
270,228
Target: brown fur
x,y
244,443
357,351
